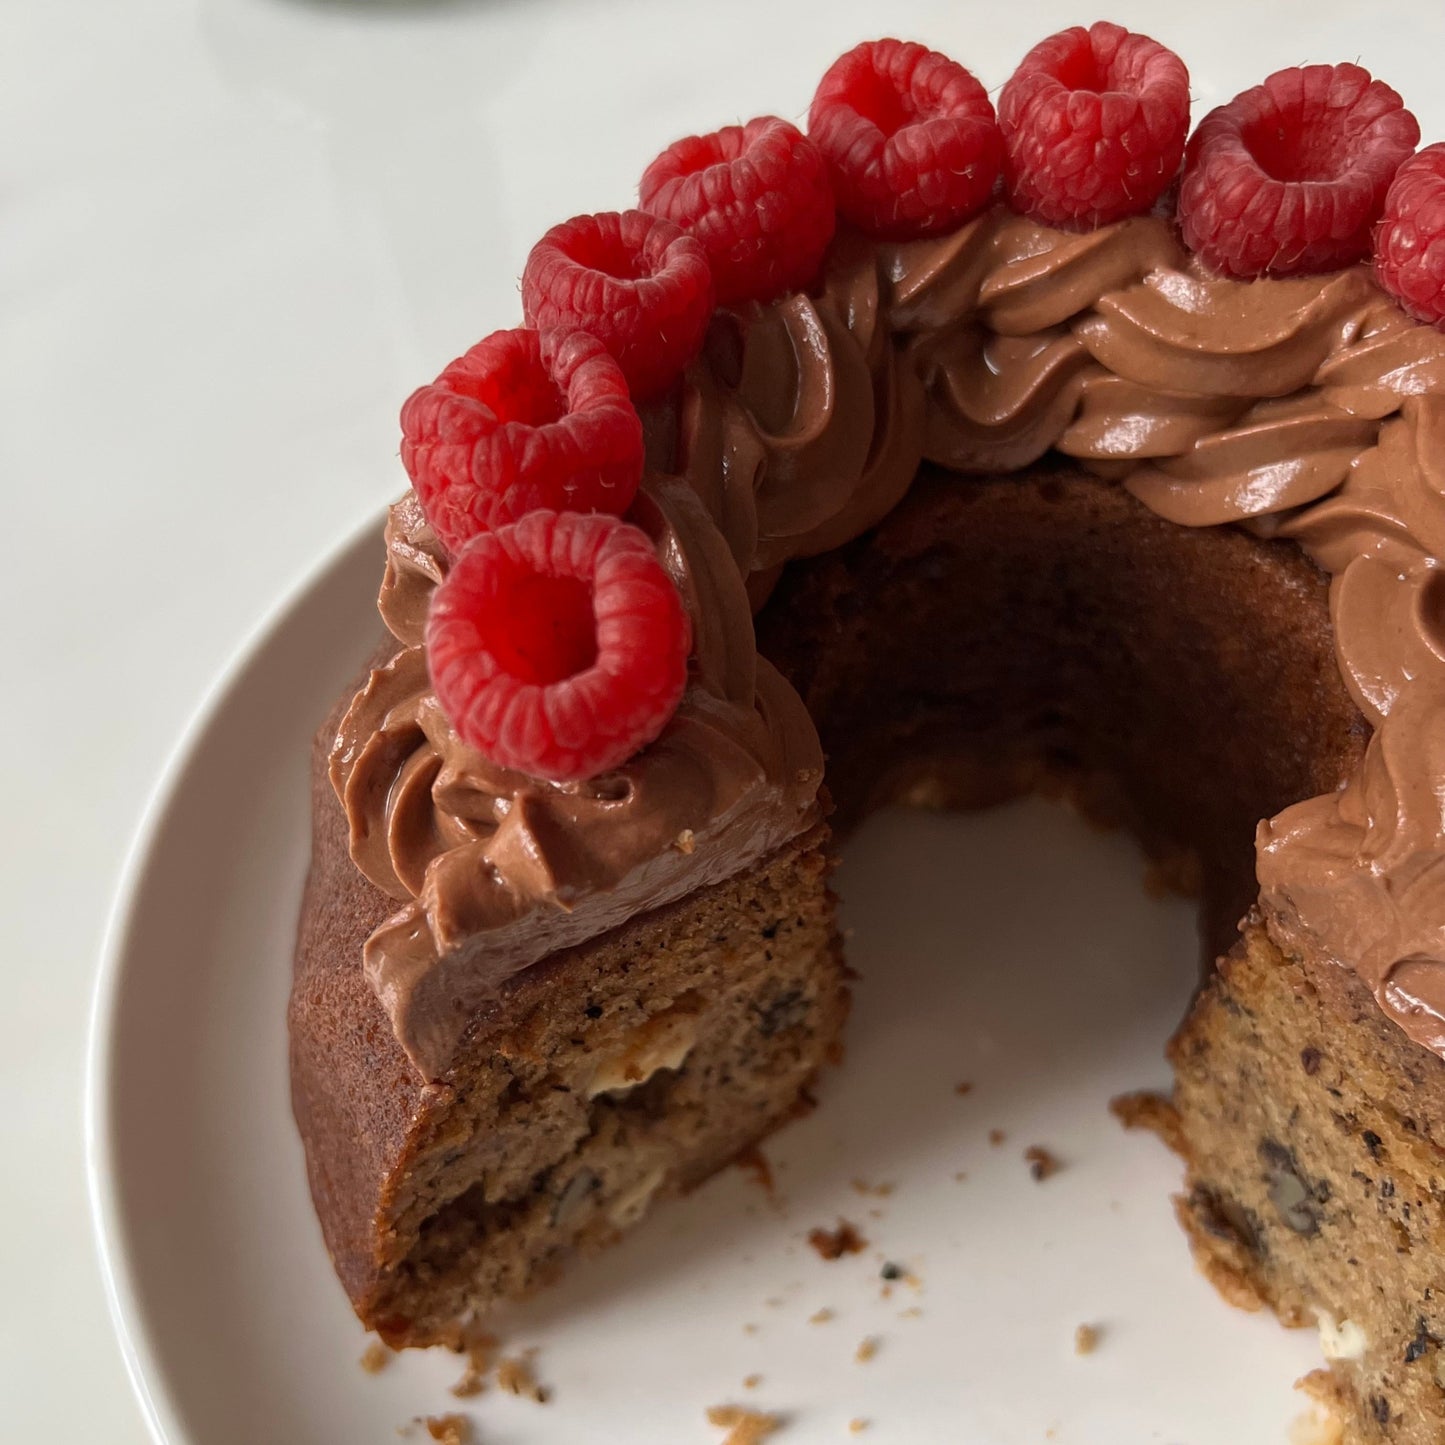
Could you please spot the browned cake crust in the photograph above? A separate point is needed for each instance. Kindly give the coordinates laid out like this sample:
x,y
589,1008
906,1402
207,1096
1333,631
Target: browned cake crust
x,y
991,637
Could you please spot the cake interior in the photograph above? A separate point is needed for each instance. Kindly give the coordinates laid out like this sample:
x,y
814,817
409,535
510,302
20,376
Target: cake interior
x,y
992,636
996,636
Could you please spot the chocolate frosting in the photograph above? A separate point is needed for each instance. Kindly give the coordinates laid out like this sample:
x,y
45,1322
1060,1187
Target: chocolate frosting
x,y
1309,408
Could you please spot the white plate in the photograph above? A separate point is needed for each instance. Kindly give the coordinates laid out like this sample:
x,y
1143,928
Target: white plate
x,y
1014,950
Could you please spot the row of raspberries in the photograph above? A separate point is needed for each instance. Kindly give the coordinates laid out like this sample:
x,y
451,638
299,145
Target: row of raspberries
x,y
558,643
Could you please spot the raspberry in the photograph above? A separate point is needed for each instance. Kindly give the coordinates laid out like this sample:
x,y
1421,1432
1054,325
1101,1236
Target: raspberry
x,y
558,645
640,285
505,429
1093,125
1410,239
909,137
756,196
1290,176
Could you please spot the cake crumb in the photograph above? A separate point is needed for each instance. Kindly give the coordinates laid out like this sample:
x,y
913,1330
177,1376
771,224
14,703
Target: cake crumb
x,y
1317,1427
879,1191
1324,1422
686,841
963,1087
480,1348
750,1328
867,1348
960,1176
1042,1164
1150,1111
514,1375
1086,1339
449,1429
996,1137
857,1425
744,1427
754,1163
911,1313
752,1382
375,1358
820,1317
834,1243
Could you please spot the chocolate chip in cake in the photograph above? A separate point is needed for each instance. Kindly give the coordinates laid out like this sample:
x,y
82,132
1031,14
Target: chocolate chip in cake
x,y
786,1011
1310,1061
1420,1344
593,1011
1296,1199
1227,1219
1373,1143
1380,1409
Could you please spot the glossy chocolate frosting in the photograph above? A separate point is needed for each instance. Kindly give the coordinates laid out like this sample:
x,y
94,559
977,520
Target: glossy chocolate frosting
x,y
1308,408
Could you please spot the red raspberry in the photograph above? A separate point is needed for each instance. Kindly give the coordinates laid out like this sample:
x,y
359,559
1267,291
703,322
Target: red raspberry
x,y
1410,239
558,645
1093,125
1289,177
756,196
909,137
639,284
505,429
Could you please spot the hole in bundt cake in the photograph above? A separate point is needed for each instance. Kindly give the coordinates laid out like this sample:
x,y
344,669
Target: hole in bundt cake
x,y
1045,631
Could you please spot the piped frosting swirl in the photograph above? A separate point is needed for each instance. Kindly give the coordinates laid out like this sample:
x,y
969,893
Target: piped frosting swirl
x,y
1308,408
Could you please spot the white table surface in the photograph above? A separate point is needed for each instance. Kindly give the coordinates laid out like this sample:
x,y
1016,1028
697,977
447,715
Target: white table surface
x,y
233,235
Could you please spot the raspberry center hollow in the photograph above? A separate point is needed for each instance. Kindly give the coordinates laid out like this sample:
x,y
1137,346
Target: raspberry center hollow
x,y
1081,69
1290,146
888,106
512,392
536,400
606,251
559,638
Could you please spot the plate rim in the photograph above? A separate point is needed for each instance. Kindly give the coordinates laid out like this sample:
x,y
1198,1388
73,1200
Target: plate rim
x,y
149,1385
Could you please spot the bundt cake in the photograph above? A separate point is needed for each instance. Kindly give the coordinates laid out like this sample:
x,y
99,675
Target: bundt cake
x,y
973,454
